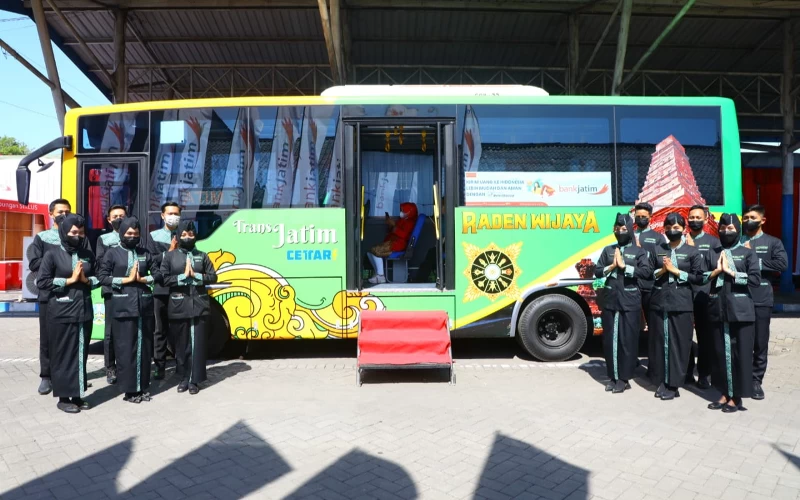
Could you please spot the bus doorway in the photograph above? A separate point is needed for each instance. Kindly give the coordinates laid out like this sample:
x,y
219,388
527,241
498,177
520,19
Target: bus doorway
x,y
392,162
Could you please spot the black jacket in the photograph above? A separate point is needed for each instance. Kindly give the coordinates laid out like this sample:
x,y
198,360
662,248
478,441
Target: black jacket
x,y
158,245
772,260
73,303
648,241
188,298
42,243
675,294
730,299
133,299
704,243
621,291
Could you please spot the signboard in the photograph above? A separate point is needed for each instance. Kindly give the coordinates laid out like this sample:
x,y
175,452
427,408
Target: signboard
x,y
544,189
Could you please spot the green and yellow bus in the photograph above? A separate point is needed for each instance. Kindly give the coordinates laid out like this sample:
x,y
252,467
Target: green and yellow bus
x,y
518,190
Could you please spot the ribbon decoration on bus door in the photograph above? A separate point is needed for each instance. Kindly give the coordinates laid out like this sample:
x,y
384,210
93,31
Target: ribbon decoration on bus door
x,y
471,145
315,128
112,180
280,176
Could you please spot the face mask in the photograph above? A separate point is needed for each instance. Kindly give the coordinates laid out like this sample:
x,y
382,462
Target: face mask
x,y
728,238
674,235
402,215
74,242
116,223
130,241
642,222
696,225
172,220
623,238
58,219
186,243
751,225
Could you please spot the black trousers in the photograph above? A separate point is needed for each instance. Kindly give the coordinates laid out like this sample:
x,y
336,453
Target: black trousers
x,y
189,336
44,342
671,334
761,343
704,351
69,344
109,357
733,361
650,342
621,343
133,342
161,335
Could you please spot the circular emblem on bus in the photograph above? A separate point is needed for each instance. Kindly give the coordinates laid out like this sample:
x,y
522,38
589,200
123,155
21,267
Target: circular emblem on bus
x,y
492,271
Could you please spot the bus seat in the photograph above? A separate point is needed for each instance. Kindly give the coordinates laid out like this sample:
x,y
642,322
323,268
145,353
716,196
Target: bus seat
x,y
399,268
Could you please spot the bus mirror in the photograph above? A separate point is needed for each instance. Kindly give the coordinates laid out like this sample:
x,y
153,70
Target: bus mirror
x,y
24,173
23,184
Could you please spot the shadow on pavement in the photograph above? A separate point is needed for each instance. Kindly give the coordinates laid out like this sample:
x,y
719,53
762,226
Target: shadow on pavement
x,y
215,372
793,459
359,475
516,469
232,465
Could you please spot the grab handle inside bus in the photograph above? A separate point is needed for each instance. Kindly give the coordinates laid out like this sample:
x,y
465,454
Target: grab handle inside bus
x,y
24,173
436,209
362,212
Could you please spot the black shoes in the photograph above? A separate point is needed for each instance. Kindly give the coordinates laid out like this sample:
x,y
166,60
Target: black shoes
x,y
67,407
132,397
610,385
704,383
158,373
45,387
716,406
620,387
193,389
183,386
670,394
660,391
758,392
81,404
726,408
111,376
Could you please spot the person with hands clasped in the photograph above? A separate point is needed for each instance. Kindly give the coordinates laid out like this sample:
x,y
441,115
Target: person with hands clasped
x,y
622,265
186,271
734,276
127,271
67,273
677,266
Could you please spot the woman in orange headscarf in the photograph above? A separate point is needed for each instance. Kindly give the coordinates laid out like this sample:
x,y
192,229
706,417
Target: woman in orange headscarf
x,y
395,241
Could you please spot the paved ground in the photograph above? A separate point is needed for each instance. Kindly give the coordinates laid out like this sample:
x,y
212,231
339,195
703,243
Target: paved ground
x,y
294,425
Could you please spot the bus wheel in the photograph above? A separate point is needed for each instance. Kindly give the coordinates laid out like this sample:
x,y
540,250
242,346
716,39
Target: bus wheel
x,y
219,332
552,328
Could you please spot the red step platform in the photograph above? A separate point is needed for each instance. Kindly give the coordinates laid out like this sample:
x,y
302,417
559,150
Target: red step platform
x,y
404,339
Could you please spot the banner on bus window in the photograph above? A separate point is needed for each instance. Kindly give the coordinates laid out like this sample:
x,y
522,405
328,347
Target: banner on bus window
x,y
545,189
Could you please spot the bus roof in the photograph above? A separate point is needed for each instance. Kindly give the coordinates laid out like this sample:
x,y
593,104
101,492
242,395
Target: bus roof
x,y
433,90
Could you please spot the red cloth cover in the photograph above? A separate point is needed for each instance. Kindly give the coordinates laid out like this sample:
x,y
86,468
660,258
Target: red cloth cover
x,y
404,338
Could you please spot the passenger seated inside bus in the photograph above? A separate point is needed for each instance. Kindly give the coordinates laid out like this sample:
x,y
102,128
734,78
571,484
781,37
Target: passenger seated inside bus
x,y
395,241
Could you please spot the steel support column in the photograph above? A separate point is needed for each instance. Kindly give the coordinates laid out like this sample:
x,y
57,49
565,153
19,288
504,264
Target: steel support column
x,y
49,60
787,156
120,71
573,56
72,103
599,43
336,34
325,18
622,46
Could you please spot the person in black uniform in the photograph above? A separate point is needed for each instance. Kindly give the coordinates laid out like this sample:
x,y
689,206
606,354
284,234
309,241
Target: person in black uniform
x,y
647,239
128,272
68,274
186,271
161,241
704,243
734,277
108,240
677,266
772,261
42,243
622,265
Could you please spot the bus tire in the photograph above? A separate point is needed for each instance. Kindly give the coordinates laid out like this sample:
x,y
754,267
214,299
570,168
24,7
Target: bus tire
x,y
219,332
552,328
